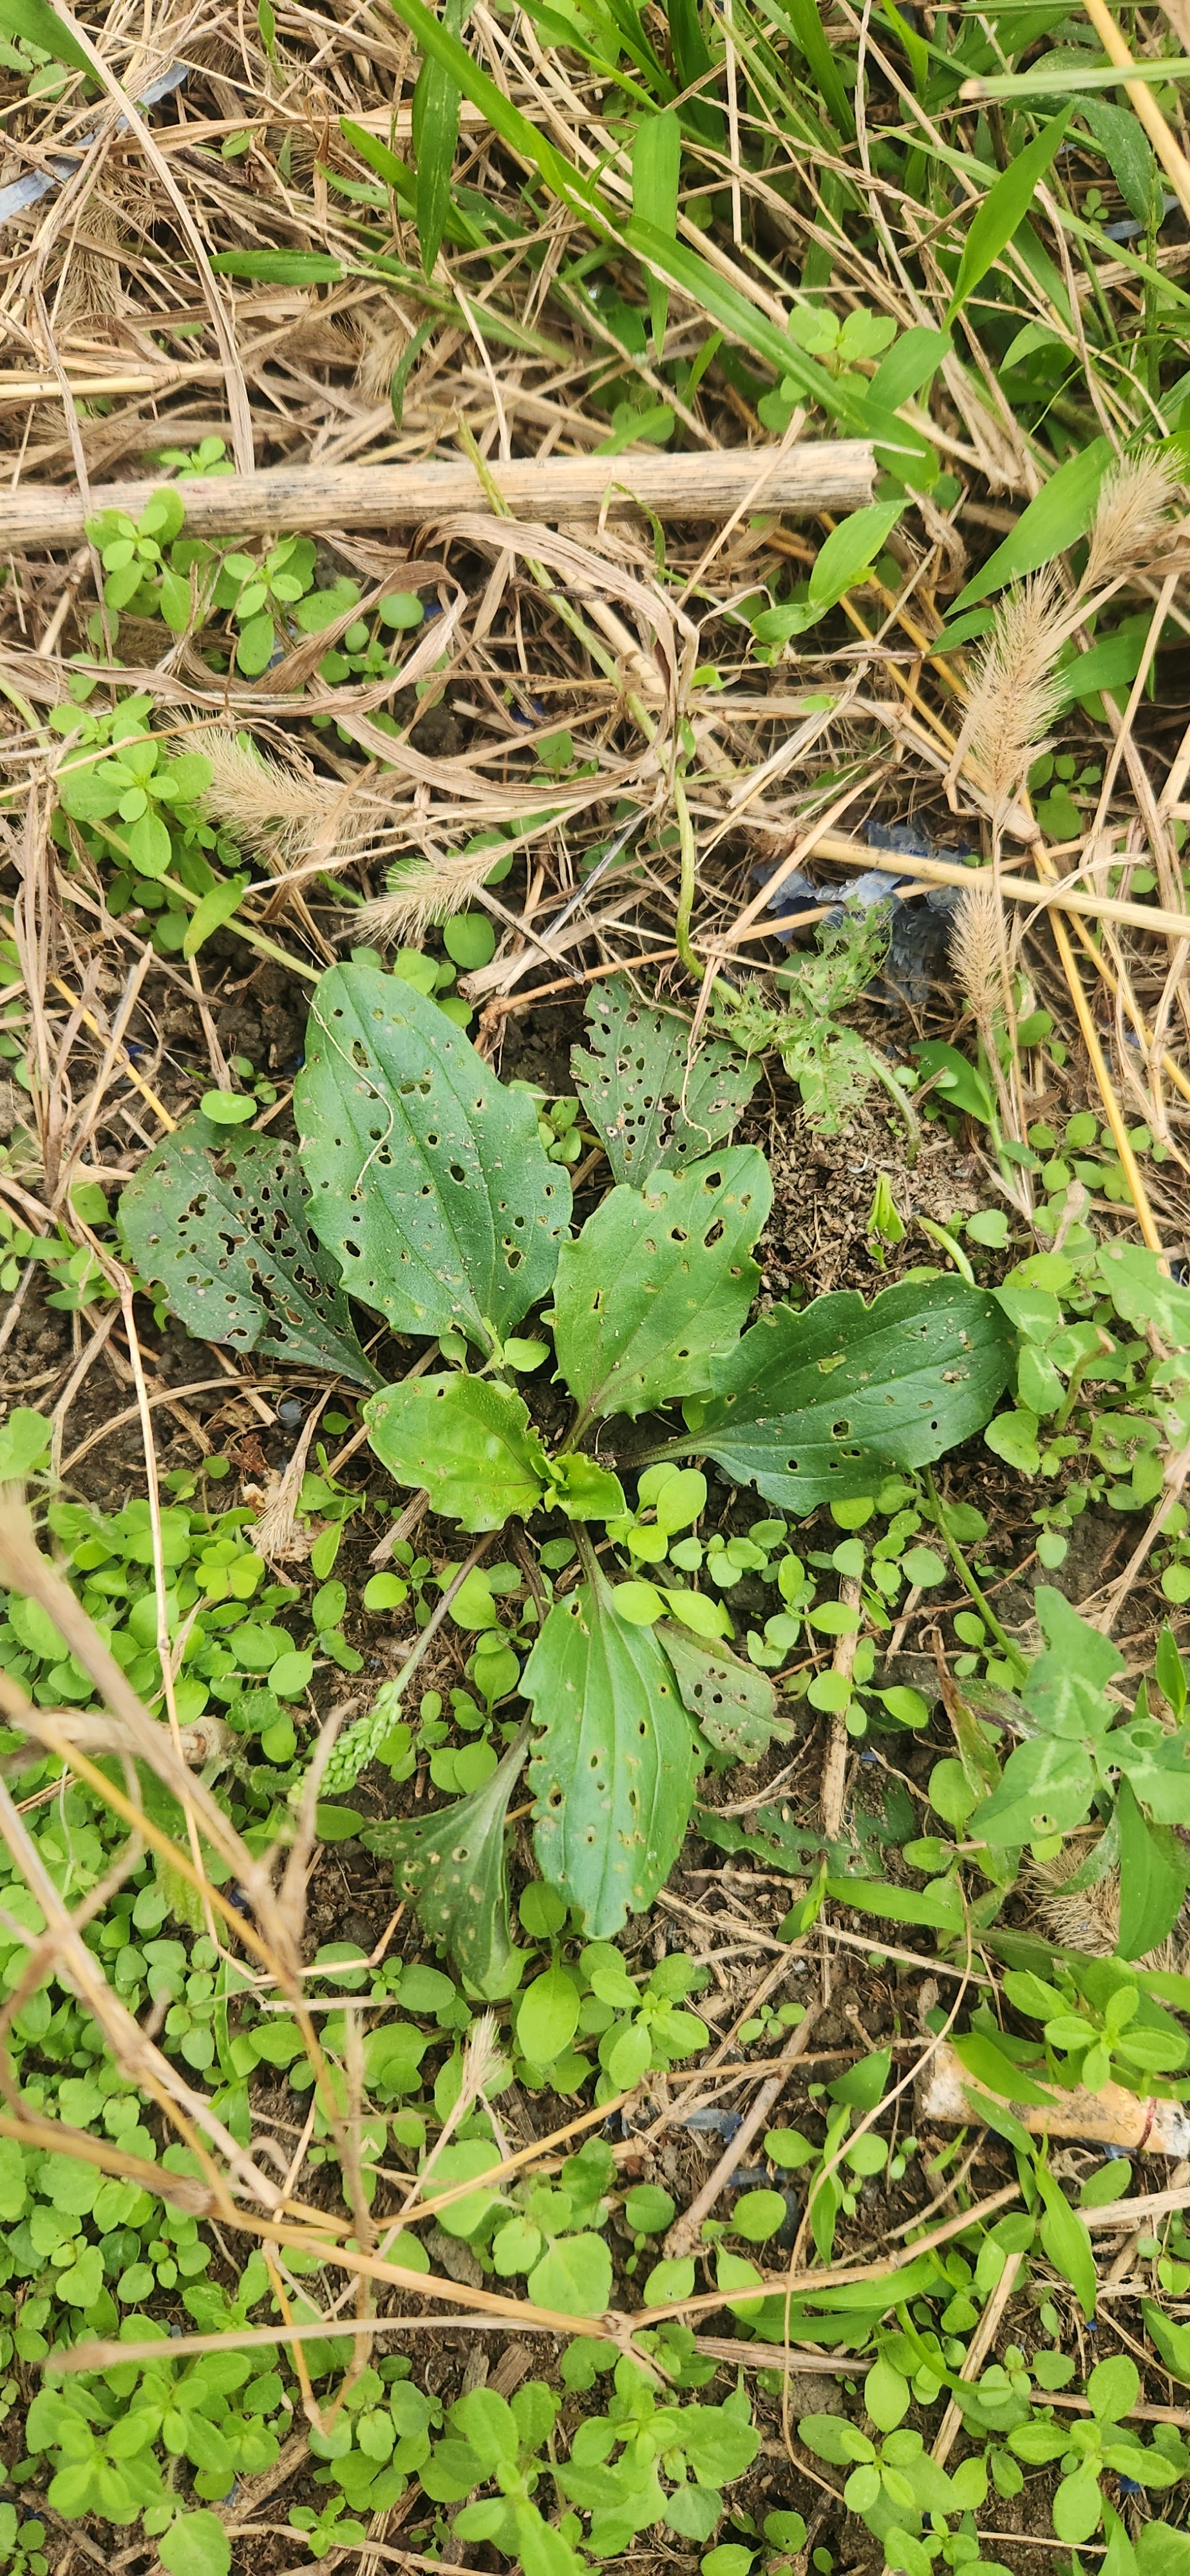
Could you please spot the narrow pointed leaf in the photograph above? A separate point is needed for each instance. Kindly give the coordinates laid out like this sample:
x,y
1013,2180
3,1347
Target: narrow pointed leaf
x,y
427,1177
613,1768
222,1220
810,1408
676,1254
656,161
453,1869
1005,207
466,1440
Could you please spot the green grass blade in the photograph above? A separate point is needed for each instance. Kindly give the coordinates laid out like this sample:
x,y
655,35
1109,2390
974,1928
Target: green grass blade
x,y
1004,209
39,25
656,162
801,21
435,134
1056,519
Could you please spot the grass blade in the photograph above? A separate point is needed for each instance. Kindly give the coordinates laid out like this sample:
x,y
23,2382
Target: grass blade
x,y
1004,208
656,161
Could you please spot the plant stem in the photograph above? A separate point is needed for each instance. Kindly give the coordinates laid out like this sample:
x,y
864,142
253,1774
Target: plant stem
x,y
967,1579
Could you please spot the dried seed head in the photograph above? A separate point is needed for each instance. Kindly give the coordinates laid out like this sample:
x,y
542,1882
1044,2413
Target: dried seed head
x,y
423,892
975,950
482,2060
279,814
1015,695
1130,517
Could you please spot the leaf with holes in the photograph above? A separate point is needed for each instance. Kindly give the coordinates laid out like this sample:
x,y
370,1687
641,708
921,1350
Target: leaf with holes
x,y
614,1766
735,1705
657,1280
467,1440
222,1220
810,1408
655,1104
453,1868
427,1177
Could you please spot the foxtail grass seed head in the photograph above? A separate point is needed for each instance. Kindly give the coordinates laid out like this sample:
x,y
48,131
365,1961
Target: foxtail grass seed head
x,y
422,892
276,813
1016,693
975,950
1130,518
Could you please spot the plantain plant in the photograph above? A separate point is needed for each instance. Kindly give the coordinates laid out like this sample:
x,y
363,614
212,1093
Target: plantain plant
x,y
421,1188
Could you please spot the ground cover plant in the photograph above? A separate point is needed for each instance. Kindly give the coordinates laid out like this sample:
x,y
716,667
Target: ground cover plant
x,y
594,1731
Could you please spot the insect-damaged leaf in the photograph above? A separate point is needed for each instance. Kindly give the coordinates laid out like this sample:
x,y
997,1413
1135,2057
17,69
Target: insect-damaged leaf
x,y
222,1220
735,1705
653,1104
811,1407
613,1769
657,1280
467,1440
453,1868
427,1177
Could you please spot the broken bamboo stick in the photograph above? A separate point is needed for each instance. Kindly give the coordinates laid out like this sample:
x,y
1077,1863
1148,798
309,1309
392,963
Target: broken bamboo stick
x,y
1111,2117
825,474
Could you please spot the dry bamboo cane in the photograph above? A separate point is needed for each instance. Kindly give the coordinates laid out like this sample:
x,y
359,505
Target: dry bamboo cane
x,y
824,474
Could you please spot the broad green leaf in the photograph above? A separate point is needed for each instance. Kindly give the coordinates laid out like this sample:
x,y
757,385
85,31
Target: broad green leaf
x,y
1077,2508
1004,208
1059,516
1152,1879
196,2545
735,1705
211,912
38,24
1046,1789
586,1491
1172,2341
466,1440
1067,2244
656,161
1157,1766
769,1833
850,549
811,1407
453,1867
574,2277
1127,151
675,1254
223,1222
1113,2388
653,1102
613,1769
547,2016
280,267
427,1178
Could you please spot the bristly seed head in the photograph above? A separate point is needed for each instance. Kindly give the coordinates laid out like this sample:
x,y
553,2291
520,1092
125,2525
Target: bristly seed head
x,y
1016,693
1130,518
